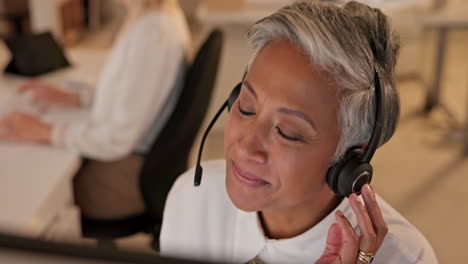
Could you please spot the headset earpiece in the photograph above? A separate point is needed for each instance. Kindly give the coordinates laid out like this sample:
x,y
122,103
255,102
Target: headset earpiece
x,y
354,170
349,174
233,96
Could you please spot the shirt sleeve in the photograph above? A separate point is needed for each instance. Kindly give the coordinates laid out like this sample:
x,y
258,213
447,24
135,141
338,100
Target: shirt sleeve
x,y
86,96
84,91
129,96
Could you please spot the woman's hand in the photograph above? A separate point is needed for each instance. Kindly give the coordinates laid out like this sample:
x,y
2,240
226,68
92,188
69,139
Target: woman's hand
x,y
344,246
46,94
23,127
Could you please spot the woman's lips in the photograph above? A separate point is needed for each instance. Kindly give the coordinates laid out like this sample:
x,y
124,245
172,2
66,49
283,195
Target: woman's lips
x,y
247,178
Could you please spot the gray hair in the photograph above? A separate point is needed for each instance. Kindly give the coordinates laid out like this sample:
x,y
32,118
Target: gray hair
x,y
348,41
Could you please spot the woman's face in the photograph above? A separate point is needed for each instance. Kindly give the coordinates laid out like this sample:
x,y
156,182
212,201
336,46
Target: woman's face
x,y
282,132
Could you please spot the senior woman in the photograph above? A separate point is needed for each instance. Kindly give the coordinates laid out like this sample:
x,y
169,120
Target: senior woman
x,y
307,98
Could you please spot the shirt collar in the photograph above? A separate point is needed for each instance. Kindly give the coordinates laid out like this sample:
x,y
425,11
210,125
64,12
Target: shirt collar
x,y
250,239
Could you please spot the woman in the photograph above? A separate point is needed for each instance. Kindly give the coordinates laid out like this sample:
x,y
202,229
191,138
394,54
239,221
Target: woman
x,y
136,93
307,98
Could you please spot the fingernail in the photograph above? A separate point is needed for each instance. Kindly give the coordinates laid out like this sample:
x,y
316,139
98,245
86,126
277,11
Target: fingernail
x,y
356,199
370,191
339,213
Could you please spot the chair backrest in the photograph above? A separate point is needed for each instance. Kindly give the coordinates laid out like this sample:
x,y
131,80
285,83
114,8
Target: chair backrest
x,y
168,157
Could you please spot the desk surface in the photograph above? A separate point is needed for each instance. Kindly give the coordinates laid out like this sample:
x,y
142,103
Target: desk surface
x,y
31,179
31,176
36,179
254,10
447,21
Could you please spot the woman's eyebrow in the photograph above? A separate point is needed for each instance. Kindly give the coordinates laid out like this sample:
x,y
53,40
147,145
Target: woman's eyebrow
x,y
249,87
298,114
284,110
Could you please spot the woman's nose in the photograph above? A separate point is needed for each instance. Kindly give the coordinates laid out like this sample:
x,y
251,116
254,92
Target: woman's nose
x,y
252,144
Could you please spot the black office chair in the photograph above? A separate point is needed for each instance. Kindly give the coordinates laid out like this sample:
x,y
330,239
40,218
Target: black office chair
x,y
168,157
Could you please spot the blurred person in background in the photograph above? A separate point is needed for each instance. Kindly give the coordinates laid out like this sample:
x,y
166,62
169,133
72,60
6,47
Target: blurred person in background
x,y
134,97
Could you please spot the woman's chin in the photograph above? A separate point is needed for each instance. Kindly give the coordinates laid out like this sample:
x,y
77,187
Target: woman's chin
x,y
243,204
245,200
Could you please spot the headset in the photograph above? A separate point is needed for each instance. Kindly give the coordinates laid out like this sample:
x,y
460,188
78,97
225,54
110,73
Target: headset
x,y
345,176
349,174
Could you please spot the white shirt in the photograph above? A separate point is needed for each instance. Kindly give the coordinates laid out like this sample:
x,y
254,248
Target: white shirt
x,y
136,92
202,223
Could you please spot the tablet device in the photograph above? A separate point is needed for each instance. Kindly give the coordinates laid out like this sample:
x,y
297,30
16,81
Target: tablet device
x,y
35,54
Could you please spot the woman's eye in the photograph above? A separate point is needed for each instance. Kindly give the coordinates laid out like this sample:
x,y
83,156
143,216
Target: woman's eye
x,y
245,113
291,138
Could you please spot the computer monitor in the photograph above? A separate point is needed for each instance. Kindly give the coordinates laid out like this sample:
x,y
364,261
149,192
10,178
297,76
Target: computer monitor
x,y
21,250
35,54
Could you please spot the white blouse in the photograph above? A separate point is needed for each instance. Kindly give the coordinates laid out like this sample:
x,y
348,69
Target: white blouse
x,y
202,223
136,92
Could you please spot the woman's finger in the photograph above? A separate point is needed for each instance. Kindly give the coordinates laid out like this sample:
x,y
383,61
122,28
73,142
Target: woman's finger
x,y
333,247
373,209
4,129
28,85
368,239
350,246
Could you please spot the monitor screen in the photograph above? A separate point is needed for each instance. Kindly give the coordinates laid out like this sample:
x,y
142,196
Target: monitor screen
x,y
36,54
21,250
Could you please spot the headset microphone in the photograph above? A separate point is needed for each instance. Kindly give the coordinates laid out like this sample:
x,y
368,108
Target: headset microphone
x,y
229,102
199,169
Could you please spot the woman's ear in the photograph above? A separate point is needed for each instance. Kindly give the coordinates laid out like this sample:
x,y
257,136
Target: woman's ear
x,y
363,147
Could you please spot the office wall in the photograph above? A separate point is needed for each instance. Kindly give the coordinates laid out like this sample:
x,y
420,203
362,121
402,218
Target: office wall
x,y
44,16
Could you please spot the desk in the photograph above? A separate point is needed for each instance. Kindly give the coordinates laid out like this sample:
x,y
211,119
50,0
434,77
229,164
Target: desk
x,y
443,24
36,180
